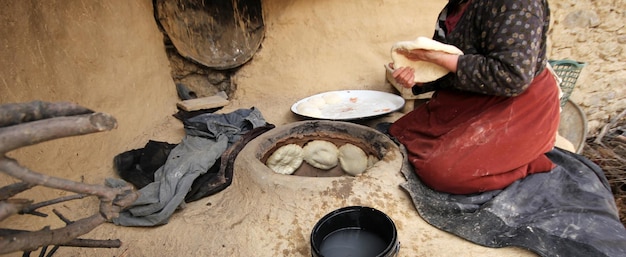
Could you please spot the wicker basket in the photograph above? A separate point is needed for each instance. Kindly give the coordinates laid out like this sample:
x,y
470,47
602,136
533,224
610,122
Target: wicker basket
x,y
568,71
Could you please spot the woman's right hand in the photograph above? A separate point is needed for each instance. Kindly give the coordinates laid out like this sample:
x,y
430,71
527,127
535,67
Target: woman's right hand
x,y
405,76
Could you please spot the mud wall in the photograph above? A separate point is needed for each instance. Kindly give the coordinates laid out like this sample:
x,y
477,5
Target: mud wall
x,y
104,55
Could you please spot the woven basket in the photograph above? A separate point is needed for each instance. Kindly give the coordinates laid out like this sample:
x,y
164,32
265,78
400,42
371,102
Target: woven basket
x,y
568,71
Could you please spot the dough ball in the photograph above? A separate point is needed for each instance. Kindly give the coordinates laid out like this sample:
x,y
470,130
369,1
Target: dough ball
x,y
353,159
286,159
316,101
424,71
332,98
321,154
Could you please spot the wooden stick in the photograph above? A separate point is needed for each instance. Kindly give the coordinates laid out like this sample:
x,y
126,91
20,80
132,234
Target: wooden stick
x,y
16,113
31,133
63,218
76,242
53,251
9,191
92,243
11,168
33,240
33,207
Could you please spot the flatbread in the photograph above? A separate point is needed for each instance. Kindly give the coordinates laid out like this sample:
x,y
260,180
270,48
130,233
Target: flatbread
x,y
352,159
424,71
321,154
286,159
309,109
332,98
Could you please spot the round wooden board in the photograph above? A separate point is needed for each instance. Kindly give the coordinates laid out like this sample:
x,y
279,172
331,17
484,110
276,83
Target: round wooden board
x,y
217,34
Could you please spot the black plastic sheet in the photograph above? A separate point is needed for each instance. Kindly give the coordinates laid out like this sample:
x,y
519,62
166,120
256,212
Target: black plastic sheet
x,y
569,211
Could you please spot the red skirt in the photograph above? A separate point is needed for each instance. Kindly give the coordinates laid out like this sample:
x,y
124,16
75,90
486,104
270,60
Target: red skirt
x,y
462,143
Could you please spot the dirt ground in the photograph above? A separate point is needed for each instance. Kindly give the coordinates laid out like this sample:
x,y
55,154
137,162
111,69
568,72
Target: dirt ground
x,y
109,56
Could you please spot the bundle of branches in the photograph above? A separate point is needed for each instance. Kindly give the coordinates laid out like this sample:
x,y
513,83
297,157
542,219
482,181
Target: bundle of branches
x,y
608,150
24,124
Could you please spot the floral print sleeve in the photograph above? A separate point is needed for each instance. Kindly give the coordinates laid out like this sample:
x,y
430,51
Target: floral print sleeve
x,y
504,46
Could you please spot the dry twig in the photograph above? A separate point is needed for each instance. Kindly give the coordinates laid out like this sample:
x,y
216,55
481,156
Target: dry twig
x,y
610,155
35,122
31,208
608,126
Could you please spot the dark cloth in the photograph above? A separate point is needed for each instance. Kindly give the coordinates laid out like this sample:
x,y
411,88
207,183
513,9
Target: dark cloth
x,y
137,166
569,211
207,137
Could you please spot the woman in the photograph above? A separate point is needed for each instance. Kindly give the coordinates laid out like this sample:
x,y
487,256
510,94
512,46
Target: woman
x,y
494,116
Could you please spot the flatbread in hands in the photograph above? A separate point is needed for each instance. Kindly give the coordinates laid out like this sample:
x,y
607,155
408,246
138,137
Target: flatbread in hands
x,y
424,71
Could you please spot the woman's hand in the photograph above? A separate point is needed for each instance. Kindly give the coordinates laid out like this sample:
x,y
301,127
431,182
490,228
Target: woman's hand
x,y
405,76
418,54
443,59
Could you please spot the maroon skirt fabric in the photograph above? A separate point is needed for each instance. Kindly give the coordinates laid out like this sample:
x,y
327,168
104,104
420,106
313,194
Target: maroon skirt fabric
x,y
462,143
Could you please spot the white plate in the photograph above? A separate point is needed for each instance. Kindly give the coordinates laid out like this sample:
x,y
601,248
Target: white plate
x,y
348,105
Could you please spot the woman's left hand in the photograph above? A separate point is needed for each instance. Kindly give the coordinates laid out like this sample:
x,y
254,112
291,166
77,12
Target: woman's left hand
x,y
446,60
418,54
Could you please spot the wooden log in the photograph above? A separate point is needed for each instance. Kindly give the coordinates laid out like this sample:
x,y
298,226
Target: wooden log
x,y
9,191
34,132
29,241
78,242
16,113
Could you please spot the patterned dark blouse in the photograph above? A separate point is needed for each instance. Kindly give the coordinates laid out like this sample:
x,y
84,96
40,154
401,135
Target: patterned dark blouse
x,y
504,42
